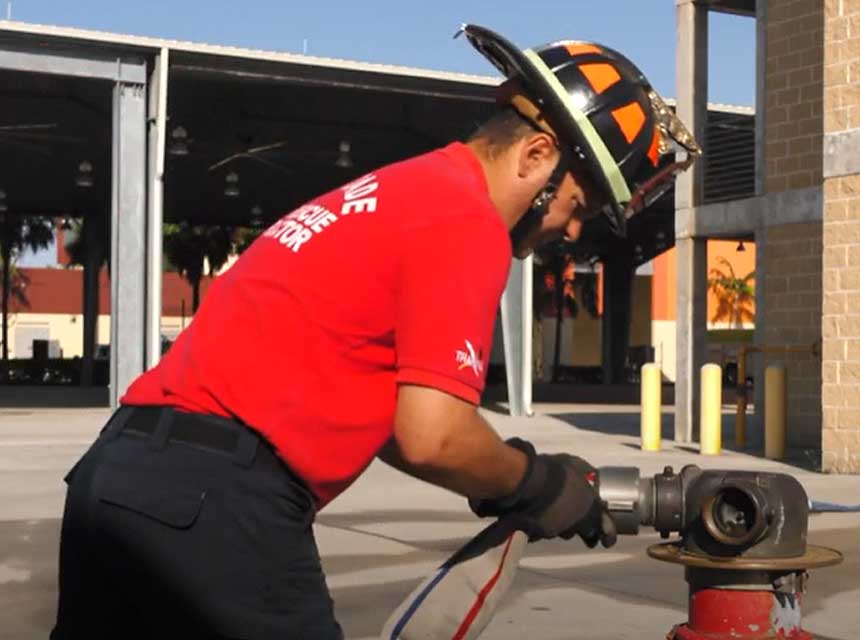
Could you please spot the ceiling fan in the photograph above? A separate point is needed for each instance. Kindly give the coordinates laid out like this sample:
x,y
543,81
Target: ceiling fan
x,y
277,156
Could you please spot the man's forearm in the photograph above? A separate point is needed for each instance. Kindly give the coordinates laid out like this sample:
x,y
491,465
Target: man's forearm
x,y
476,466
459,451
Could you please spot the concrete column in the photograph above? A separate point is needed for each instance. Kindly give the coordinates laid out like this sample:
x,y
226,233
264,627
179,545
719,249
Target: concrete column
x,y
760,96
692,290
128,237
617,310
517,336
756,362
691,89
692,96
755,365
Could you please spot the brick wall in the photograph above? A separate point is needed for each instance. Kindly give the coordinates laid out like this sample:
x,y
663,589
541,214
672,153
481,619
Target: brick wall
x,y
841,281
794,81
793,299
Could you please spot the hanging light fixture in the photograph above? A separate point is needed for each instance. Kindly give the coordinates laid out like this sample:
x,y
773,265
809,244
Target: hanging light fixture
x,y
231,186
65,224
741,248
3,206
344,160
257,217
84,179
178,142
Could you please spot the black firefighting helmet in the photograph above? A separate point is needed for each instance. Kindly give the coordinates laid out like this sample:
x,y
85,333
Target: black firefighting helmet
x,y
602,111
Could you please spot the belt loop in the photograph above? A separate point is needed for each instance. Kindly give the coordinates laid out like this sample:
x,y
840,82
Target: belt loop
x,y
158,440
246,447
116,423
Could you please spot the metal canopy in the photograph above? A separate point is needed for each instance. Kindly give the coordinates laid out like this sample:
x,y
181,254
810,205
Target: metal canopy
x,y
226,114
73,124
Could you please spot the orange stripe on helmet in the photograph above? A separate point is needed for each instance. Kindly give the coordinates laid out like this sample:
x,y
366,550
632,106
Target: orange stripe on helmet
x,y
600,75
578,48
654,150
630,119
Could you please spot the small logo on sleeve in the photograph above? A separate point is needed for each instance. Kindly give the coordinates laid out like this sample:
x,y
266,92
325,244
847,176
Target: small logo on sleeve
x,y
469,359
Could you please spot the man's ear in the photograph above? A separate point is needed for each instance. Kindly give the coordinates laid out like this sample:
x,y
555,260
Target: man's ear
x,y
536,156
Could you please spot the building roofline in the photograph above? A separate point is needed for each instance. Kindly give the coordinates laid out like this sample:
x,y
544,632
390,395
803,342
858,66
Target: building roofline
x,y
87,36
155,44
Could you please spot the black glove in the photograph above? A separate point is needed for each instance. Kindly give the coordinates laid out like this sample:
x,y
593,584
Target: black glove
x,y
556,497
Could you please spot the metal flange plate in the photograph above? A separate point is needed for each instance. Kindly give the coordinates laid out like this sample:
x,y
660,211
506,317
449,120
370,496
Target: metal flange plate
x,y
815,557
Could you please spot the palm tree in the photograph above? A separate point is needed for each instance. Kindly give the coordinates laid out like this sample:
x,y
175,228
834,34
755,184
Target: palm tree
x,y
87,244
735,296
18,233
244,237
18,282
556,263
189,247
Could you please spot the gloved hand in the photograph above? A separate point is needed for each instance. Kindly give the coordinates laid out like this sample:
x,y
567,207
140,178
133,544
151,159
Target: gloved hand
x,y
556,497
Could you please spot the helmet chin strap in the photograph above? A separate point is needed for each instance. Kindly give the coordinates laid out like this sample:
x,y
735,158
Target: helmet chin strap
x,y
532,218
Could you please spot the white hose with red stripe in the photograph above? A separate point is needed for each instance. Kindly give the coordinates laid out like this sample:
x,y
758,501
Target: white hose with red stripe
x,y
459,599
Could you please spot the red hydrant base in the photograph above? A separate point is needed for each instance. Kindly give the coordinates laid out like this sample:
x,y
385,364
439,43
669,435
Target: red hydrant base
x,y
740,614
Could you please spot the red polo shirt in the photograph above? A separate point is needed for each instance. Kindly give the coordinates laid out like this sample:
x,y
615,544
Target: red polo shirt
x,y
393,278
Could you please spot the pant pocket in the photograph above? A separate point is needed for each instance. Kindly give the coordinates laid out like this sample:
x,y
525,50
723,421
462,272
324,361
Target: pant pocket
x,y
169,502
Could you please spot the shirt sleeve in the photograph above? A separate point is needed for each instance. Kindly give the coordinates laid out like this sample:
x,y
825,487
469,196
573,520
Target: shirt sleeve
x,y
452,275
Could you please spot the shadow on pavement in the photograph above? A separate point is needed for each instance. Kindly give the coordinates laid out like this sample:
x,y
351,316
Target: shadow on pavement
x,y
628,424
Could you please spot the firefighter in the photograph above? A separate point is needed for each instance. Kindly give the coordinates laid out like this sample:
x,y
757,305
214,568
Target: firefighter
x,y
358,325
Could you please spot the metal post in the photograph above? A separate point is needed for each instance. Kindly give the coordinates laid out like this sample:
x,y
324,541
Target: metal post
x,y
692,96
517,336
128,237
157,138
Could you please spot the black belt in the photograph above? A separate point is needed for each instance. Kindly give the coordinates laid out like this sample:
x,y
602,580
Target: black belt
x,y
163,425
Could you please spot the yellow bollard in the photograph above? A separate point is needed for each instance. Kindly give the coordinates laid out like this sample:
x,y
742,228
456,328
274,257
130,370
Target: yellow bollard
x,y
711,410
774,412
651,400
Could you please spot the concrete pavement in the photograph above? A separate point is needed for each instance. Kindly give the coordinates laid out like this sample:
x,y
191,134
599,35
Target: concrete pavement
x,y
381,537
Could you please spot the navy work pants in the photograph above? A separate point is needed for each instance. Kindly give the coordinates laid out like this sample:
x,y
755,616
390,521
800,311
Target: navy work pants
x,y
185,526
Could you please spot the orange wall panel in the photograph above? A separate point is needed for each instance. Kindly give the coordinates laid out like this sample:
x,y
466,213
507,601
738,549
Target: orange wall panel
x,y
665,277
663,286
742,263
